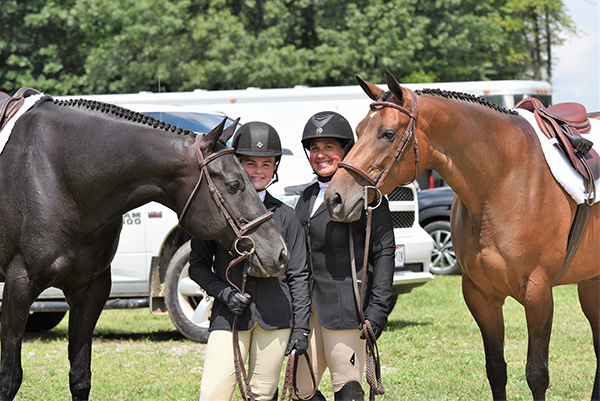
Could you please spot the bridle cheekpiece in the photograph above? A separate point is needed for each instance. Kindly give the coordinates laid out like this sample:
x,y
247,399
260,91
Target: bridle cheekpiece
x,y
239,229
408,133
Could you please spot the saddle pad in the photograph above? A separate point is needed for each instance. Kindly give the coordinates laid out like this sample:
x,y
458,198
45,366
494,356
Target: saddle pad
x,y
6,131
561,169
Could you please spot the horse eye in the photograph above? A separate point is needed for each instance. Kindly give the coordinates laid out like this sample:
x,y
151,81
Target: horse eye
x,y
388,134
233,186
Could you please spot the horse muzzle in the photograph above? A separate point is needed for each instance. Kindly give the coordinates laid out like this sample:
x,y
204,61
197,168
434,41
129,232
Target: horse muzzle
x,y
341,209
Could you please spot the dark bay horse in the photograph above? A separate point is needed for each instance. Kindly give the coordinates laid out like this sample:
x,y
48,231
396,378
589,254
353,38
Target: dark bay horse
x,y
510,219
68,173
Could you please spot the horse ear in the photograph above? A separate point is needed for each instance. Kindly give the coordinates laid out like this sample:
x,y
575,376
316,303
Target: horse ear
x,y
228,132
213,136
373,91
394,86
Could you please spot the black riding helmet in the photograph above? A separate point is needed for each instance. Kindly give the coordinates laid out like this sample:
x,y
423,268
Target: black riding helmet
x,y
258,139
328,124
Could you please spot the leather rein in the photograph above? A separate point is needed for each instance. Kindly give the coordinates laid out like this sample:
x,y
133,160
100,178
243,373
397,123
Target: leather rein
x,y
239,229
241,375
373,365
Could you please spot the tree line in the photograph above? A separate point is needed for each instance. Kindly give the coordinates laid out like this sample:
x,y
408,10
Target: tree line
x,y
117,46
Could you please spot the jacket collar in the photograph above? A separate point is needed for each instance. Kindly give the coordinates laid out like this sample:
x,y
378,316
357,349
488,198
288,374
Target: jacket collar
x,y
314,191
270,201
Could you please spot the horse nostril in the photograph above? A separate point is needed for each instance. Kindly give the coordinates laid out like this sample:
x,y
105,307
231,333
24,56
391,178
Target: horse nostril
x,y
335,201
283,258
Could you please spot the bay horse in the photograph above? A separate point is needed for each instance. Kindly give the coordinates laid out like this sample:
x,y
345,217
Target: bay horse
x,y
69,171
510,219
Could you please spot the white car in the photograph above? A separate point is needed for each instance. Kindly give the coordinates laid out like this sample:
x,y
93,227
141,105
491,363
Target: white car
x,y
150,268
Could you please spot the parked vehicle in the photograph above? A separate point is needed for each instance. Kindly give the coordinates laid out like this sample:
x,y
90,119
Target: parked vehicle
x,y
150,268
434,217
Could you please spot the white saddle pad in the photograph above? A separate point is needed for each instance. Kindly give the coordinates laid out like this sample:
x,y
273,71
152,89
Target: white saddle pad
x,y
6,131
560,166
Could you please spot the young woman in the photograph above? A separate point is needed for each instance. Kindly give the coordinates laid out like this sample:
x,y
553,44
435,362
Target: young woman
x,y
273,313
335,338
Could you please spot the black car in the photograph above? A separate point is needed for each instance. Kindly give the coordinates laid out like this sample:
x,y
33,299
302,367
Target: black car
x,y
434,217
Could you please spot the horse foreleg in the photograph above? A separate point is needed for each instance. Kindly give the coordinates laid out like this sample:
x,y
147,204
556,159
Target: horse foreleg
x,y
589,298
487,311
539,308
19,293
85,309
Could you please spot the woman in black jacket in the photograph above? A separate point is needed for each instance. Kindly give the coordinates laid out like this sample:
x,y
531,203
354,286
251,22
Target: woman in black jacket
x,y
273,313
336,322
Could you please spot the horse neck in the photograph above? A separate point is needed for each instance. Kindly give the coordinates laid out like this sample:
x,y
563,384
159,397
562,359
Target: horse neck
x,y
475,148
129,164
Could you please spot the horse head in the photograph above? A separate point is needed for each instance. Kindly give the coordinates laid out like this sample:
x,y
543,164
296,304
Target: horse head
x,y
224,206
385,137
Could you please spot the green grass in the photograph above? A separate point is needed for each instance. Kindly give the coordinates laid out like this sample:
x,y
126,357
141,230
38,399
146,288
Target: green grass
x,y
431,350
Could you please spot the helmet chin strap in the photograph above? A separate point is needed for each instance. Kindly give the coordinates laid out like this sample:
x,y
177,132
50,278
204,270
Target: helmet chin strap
x,y
275,177
320,177
324,179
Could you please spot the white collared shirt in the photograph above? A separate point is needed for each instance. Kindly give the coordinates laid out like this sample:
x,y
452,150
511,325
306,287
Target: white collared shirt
x,y
262,194
322,188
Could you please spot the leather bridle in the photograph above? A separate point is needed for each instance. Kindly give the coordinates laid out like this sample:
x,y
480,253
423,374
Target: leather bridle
x,y
409,133
239,229
373,367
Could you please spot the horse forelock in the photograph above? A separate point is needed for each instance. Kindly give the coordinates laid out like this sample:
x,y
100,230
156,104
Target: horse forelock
x,y
466,97
390,97
385,96
122,113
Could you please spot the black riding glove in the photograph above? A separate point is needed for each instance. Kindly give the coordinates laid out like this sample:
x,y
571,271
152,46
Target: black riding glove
x,y
299,341
237,302
377,330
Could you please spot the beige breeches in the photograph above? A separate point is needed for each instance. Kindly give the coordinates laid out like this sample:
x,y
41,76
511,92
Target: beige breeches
x,y
265,352
342,351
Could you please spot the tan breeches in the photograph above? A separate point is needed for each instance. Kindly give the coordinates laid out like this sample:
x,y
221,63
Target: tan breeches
x,y
265,352
342,351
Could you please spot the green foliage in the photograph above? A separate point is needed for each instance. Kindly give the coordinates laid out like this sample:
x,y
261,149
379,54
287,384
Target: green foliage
x,y
115,46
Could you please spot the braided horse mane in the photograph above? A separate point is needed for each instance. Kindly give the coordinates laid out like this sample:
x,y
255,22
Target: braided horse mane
x,y
121,112
466,97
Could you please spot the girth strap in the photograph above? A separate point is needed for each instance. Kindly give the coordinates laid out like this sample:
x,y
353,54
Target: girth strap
x,y
562,125
577,229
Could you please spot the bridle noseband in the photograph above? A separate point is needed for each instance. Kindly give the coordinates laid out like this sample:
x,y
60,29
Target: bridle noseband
x,y
408,133
239,229
373,373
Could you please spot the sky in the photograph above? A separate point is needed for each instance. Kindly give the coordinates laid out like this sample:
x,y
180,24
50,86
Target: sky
x,y
576,72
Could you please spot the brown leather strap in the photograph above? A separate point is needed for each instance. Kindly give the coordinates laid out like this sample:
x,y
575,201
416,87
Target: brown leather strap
x,y
577,229
238,360
357,296
549,125
373,368
289,382
409,133
10,105
239,229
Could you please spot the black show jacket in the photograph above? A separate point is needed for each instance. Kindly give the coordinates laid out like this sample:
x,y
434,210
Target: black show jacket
x,y
329,260
277,302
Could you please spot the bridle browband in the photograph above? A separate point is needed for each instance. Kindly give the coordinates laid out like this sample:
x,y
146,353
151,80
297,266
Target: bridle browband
x,y
408,133
239,229
373,373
